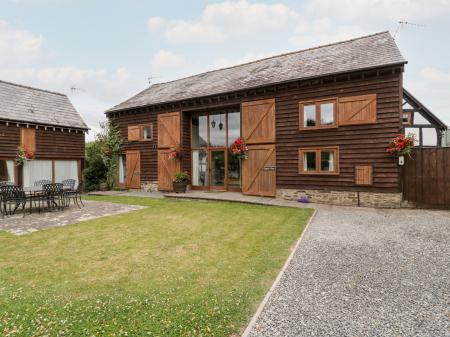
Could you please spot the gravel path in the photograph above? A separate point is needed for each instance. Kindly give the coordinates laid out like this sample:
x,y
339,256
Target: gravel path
x,y
365,272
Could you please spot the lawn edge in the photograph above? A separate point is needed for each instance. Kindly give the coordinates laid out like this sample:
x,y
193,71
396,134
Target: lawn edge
x,y
266,298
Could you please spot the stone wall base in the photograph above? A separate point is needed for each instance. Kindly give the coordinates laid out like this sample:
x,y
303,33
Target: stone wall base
x,y
344,198
149,186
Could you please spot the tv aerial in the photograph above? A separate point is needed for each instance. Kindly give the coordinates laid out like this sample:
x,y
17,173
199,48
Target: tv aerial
x,y
402,24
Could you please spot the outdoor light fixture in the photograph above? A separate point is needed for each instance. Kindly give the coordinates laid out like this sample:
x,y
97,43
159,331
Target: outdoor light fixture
x,y
220,126
213,123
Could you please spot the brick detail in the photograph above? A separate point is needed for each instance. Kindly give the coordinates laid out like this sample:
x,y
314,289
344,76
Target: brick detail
x,y
344,198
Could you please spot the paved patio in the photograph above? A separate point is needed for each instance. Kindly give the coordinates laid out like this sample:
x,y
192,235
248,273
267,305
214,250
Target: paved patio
x,y
19,225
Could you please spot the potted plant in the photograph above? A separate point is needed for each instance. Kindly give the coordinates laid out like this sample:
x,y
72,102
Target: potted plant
x,y
400,146
180,182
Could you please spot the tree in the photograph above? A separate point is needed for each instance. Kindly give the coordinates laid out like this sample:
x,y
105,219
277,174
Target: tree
x,y
110,142
95,169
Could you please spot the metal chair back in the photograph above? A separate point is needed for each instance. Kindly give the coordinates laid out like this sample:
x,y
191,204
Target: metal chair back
x,y
69,183
53,189
41,183
6,183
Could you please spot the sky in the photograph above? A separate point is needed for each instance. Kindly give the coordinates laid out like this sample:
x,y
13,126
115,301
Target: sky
x,y
100,52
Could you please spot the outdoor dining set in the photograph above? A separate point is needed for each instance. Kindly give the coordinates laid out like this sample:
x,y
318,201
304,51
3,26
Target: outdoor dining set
x,y
43,196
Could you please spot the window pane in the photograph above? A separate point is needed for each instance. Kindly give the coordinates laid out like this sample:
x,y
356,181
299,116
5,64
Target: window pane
x,y
429,137
327,161
415,132
218,130
419,119
66,169
36,170
7,170
327,114
122,169
146,133
309,161
199,168
218,168
309,117
234,171
234,126
199,131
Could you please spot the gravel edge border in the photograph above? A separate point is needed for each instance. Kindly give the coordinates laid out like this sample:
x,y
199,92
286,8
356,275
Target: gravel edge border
x,y
277,280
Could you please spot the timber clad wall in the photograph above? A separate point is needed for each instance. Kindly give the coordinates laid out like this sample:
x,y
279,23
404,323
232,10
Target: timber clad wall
x,y
49,144
358,144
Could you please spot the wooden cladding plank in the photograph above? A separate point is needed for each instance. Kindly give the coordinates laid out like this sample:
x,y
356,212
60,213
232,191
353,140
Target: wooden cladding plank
x,y
258,121
363,175
133,169
166,170
259,171
358,110
28,139
134,132
169,129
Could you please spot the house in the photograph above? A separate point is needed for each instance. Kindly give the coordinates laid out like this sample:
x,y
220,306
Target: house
x,y
428,129
43,123
316,122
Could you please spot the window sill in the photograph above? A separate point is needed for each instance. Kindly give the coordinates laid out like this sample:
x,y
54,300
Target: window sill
x,y
317,128
319,173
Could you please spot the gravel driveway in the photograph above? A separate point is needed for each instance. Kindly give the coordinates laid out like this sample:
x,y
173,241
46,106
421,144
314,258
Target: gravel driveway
x,y
365,272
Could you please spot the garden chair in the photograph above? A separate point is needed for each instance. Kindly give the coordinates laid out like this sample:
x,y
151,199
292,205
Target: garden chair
x,y
40,183
75,195
12,195
53,194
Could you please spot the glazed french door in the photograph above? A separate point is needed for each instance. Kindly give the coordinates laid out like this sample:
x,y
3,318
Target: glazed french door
x,y
213,165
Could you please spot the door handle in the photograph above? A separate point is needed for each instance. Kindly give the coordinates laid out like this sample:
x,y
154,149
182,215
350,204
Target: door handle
x,y
269,168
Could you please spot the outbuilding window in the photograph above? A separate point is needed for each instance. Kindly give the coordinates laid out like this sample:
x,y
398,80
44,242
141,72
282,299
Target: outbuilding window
x,y
318,114
318,160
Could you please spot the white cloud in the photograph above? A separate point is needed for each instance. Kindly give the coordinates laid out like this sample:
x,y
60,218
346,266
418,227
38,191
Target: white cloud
x,y
165,59
17,46
225,21
393,10
435,76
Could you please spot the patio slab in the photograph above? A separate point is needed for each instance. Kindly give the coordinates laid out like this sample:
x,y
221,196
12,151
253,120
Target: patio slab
x,y
19,225
130,193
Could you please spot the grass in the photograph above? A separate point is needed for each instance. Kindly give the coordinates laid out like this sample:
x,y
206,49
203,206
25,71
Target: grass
x,y
176,268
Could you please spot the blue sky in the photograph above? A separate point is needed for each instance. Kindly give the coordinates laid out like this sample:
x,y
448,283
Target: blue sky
x,y
108,49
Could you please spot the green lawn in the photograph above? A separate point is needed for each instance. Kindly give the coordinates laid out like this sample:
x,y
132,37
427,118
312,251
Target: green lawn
x,y
176,268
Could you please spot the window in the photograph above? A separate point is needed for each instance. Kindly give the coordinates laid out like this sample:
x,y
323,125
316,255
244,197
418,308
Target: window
x,y
7,170
66,169
318,115
416,133
146,132
319,160
122,169
37,170
406,117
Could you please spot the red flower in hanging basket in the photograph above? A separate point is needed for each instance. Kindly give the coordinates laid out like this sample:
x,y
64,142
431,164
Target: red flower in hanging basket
x,y
401,145
175,152
239,148
23,155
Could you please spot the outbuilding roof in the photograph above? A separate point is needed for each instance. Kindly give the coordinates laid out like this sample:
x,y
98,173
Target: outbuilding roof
x,y
362,53
19,103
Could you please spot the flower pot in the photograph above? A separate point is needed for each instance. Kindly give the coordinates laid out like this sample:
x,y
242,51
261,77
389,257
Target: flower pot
x,y
179,187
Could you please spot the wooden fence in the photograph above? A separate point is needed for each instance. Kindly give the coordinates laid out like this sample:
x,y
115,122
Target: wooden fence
x,y
426,178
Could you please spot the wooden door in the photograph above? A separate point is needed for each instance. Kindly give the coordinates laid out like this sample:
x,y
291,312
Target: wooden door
x,y
166,170
258,121
169,126
259,171
133,169
258,130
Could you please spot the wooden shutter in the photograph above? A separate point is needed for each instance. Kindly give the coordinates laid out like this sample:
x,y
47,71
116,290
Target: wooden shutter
x,y
166,170
28,139
133,169
363,175
169,133
258,171
134,132
258,121
358,110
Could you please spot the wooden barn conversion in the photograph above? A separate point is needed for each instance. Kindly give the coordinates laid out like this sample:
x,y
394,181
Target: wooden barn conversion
x,y
43,123
316,122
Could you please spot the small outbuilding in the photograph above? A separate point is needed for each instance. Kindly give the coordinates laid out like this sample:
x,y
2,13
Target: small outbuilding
x,y
44,125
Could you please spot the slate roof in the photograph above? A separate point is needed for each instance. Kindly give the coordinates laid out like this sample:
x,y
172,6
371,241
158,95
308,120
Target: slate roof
x,y
357,54
20,103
